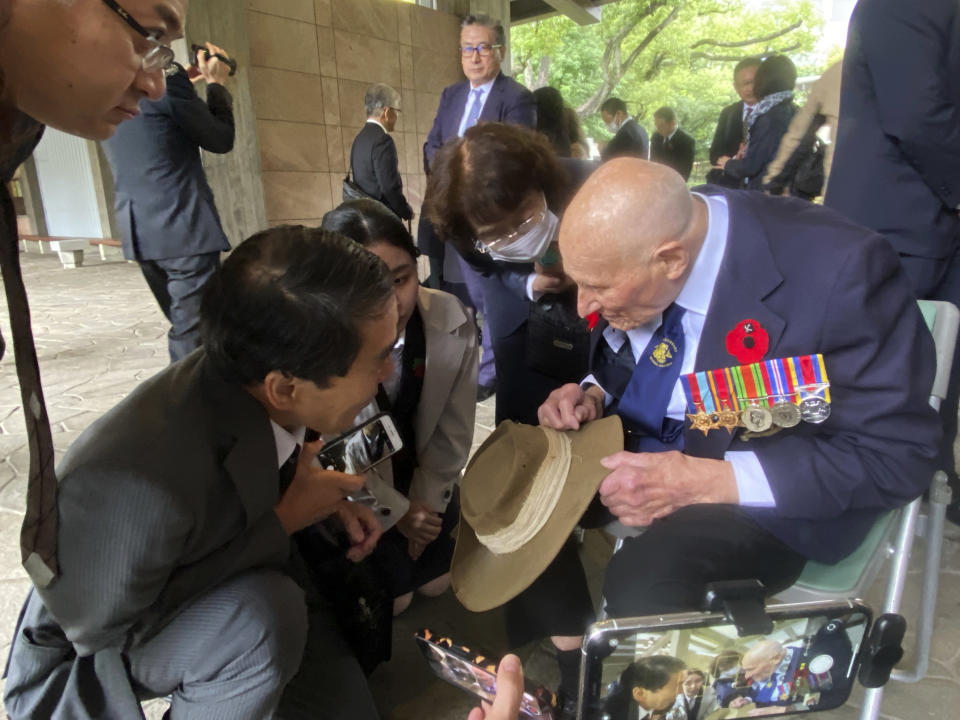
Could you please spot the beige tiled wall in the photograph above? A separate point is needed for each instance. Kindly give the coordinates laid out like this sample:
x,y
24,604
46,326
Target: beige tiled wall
x,y
311,62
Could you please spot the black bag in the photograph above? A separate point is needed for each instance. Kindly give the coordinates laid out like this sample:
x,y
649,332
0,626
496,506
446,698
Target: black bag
x,y
352,191
810,177
558,340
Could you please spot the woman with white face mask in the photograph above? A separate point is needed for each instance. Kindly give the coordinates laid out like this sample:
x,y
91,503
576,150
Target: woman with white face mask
x,y
497,195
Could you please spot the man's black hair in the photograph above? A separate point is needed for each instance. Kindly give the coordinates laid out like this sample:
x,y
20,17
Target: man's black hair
x,y
650,673
612,104
292,299
666,114
747,62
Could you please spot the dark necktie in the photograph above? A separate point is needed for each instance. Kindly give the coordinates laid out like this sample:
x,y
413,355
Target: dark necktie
x,y
38,536
645,400
288,470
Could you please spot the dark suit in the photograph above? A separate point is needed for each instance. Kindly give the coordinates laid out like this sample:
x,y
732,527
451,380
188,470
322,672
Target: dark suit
x,y
507,102
630,141
164,206
375,168
677,152
896,165
172,561
831,481
726,141
764,141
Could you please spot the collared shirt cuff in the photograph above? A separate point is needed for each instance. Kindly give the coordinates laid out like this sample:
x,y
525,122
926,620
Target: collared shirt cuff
x,y
532,294
752,483
592,380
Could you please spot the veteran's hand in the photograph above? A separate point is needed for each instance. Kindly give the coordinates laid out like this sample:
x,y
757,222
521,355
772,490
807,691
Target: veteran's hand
x,y
569,406
642,487
314,492
506,706
362,527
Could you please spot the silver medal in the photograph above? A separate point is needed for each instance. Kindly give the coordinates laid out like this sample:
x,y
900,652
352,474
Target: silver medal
x,y
814,409
785,414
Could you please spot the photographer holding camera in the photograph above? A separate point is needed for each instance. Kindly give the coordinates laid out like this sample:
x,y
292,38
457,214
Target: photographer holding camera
x,y
164,206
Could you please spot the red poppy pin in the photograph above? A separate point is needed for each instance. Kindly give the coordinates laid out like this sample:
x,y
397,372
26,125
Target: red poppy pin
x,y
419,366
748,342
592,320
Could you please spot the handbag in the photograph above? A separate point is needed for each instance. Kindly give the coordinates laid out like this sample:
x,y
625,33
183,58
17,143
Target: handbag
x,y
558,340
352,191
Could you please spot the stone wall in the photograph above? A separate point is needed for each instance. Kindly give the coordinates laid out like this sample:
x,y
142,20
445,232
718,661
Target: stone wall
x,y
311,62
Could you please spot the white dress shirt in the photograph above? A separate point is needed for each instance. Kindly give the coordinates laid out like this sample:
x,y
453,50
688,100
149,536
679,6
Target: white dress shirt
x,y
752,483
484,94
287,442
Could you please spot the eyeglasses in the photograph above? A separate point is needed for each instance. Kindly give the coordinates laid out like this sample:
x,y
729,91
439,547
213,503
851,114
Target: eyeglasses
x,y
159,56
497,242
483,48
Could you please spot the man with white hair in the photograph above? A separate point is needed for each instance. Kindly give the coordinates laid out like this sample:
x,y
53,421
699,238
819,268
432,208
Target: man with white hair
x,y
373,157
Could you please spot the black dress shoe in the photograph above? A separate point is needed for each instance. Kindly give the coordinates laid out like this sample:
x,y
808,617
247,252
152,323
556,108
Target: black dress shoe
x,y
485,391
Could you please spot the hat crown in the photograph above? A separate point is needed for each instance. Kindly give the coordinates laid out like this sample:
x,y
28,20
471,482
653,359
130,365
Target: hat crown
x,y
499,476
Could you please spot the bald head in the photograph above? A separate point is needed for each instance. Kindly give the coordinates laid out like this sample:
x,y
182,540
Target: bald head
x,y
633,230
760,661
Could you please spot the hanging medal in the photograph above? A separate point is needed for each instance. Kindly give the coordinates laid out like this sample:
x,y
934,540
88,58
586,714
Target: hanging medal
x,y
785,413
755,416
814,388
699,419
728,417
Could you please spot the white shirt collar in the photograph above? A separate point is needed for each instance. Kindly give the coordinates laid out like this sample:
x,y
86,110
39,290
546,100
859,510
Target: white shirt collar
x,y
698,289
286,441
484,89
376,122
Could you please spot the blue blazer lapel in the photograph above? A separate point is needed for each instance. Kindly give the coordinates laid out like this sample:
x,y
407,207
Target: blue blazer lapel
x,y
748,275
493,107
454,111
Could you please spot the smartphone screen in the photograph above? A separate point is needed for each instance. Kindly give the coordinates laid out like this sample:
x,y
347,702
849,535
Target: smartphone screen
x,y
363,447
808,663
476,674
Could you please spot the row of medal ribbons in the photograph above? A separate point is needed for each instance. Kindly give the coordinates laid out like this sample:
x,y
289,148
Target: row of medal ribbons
x,y
781,391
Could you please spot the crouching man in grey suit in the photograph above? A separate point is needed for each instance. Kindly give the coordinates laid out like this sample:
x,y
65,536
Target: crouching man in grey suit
x,y
176,508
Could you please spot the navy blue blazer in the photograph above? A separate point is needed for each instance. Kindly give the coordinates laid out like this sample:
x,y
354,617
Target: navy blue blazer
x,y
817,283
164,205
765,137
508,102
896,165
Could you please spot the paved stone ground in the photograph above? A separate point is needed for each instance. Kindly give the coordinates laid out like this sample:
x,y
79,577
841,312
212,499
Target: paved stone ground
x,y
99,333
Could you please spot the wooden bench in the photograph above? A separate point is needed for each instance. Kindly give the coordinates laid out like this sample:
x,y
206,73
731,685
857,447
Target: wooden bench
x,y
69,249
103,243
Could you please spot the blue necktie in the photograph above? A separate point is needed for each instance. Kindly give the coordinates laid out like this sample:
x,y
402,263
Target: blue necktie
x,y
643,405
474,114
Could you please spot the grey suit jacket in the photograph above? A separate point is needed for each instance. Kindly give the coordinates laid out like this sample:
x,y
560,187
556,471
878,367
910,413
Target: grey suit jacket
x,y
166,496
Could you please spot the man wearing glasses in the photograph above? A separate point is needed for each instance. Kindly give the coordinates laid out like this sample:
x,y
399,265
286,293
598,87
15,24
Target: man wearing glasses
x,y
487,95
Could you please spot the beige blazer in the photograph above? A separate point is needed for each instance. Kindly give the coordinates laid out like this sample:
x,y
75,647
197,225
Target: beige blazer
x,y
445,414
824,99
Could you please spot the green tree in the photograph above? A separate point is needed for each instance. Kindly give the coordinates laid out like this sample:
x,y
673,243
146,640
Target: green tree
x,y
652,53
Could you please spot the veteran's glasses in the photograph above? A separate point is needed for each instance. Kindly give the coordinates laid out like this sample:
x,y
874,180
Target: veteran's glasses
x,y
159,56
485,49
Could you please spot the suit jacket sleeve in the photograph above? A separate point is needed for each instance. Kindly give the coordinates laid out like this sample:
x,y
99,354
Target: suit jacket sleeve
x,y
685,151
386,168
762,146
719,135
435,138
523,111
445,454
208,124
876,451
914,103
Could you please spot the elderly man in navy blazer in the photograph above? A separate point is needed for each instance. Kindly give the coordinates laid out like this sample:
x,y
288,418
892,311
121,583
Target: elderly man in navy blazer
x,y
487,95
681,280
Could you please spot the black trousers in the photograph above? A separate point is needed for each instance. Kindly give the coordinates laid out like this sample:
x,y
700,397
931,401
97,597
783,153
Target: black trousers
x,y
666,569
177,284
520,390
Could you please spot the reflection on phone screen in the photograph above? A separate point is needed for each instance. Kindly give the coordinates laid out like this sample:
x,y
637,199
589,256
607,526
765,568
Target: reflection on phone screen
x,y
806,663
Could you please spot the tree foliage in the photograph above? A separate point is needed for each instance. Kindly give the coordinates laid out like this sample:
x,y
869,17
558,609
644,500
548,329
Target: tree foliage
x,y
652,53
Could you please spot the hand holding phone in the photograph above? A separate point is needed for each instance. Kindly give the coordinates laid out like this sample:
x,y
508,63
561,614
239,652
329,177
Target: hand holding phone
x,y
314,492
506,705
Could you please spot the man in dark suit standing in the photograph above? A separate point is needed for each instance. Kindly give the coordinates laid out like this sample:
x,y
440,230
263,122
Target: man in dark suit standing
x,y
487,95
730,132
896,163
373,157
629,137
164,205
671,146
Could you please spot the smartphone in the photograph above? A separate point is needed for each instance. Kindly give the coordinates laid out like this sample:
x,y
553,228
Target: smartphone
x,y
477,674
363,447
230,62
808,662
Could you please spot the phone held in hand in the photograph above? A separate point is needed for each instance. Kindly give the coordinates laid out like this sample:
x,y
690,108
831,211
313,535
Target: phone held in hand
x,y
477,674
363,447
809,662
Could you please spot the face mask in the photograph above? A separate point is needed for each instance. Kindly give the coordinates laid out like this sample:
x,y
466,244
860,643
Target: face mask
x,y
532,244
